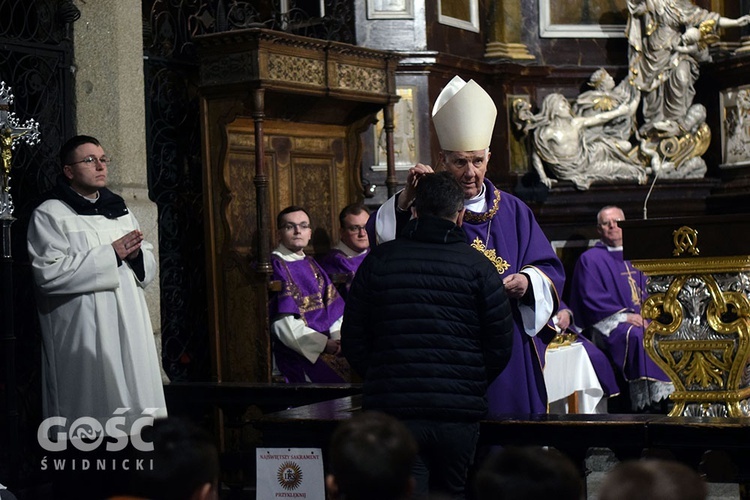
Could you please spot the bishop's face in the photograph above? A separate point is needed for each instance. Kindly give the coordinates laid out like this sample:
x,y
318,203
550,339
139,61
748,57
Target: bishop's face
x,y
295,231
468,167
607,226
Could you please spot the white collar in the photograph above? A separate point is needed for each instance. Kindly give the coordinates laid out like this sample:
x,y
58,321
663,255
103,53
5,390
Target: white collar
x,y
90,200
349,252
285,254
478,203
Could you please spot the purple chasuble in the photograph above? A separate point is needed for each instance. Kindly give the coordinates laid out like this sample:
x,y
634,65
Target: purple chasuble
x,y
337,262
605,284
307,293
510,236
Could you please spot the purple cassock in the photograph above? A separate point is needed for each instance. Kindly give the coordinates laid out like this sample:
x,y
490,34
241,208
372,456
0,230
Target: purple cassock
x,y
337,263
510,237
307,293
603,285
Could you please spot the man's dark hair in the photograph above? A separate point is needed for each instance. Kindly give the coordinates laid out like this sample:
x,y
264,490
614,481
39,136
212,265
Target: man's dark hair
x,y
652,479
351,209
288,210
371,456
67,149
439,195
528,473
184,459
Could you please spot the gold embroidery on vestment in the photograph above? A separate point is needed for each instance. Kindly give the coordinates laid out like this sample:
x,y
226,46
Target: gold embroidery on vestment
x,y
484,217
500,264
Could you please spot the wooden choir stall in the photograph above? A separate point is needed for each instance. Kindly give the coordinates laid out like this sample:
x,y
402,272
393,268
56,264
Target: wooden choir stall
x,y
281,119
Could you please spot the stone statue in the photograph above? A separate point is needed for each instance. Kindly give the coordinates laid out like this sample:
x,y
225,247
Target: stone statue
x,y
597,138
664,62
675,147
605,96
565,147
738,121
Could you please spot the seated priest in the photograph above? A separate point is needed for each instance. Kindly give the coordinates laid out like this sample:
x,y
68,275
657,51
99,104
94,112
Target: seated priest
x,y
343,260
606,296
306,314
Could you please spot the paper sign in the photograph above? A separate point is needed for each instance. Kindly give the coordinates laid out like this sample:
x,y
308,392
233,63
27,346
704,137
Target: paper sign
x,y
289,473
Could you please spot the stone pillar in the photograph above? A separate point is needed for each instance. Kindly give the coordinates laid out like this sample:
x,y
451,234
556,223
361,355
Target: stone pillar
x,y
505,32
110,106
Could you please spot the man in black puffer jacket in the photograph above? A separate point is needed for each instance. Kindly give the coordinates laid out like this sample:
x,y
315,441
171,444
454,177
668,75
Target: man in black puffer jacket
x,y
428,326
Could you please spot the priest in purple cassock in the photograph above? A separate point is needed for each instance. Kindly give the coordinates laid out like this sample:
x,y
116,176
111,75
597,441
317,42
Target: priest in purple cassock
x,y
500,226
343,260
606,297
306,314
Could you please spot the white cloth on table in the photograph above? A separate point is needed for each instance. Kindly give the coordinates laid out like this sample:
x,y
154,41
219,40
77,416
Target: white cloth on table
x,y
567,370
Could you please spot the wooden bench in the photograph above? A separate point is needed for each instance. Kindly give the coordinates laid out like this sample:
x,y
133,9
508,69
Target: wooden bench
x,y
719,448
199,401
190,397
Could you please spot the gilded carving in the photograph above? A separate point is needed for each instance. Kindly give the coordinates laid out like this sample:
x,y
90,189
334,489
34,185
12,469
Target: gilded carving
x,y
700,335
685,240
694,265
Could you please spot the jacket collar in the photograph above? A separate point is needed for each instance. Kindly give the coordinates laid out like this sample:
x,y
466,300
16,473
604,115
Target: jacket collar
x,y
434,229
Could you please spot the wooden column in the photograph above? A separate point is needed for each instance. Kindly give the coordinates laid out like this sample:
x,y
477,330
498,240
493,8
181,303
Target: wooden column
x,y
263,206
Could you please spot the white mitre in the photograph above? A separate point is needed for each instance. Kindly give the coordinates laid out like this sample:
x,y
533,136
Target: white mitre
x,y
464,116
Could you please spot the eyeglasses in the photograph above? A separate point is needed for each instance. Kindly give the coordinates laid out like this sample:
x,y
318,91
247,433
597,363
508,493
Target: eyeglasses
x,y
90,160
354,229
290,226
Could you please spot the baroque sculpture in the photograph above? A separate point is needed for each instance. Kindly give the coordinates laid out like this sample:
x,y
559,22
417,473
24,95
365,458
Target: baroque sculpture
x,y
597,137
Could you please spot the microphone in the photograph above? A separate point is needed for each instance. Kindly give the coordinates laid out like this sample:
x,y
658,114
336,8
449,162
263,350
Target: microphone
x,y
645,202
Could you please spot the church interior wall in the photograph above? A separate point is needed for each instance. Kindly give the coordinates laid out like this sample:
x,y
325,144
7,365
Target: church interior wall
x,y
431,53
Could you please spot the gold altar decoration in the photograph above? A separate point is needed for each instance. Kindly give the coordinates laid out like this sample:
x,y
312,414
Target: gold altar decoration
x,y
563,339
698,308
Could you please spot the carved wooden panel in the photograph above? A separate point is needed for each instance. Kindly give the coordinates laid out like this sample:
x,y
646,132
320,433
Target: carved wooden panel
x,y
308,101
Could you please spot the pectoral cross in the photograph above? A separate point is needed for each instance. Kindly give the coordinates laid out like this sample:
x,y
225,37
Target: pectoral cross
x,y
635,290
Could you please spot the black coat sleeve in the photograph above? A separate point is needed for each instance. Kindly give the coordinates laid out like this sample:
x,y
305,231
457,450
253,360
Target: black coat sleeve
x,y
497,325
355,337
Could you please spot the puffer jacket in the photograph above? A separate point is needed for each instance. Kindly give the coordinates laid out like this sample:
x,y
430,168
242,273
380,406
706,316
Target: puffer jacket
x,y
427,325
